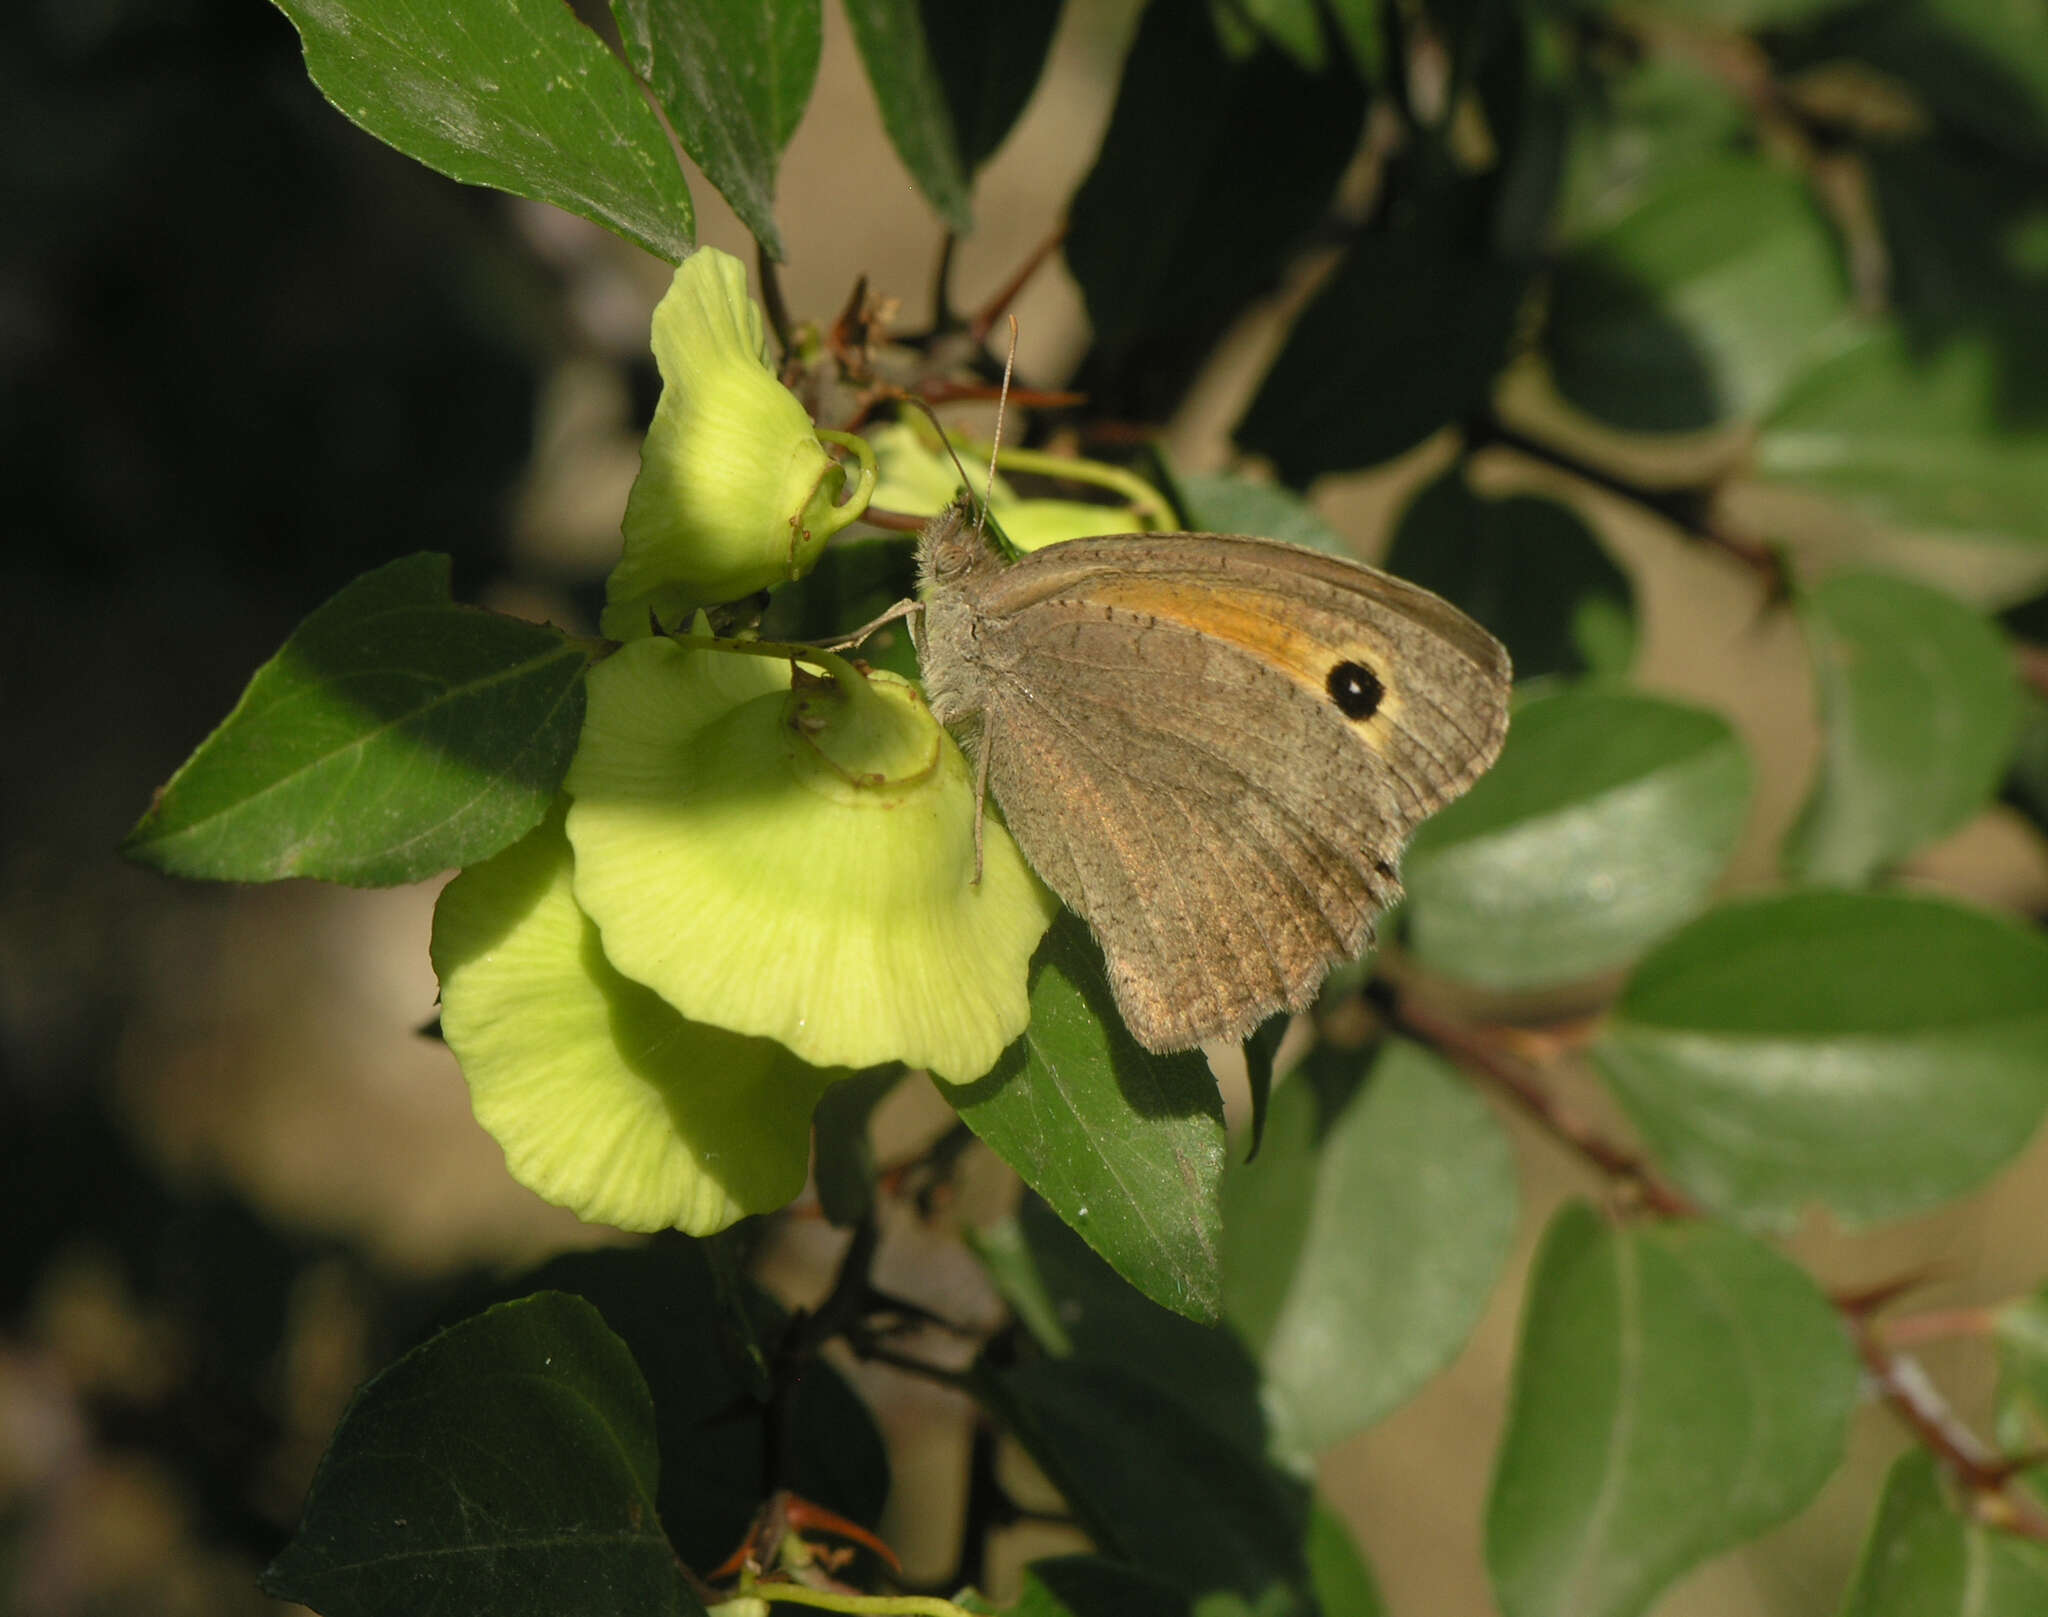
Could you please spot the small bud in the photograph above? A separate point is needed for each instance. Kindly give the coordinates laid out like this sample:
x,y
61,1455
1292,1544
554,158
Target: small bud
x,y
795,861
736,492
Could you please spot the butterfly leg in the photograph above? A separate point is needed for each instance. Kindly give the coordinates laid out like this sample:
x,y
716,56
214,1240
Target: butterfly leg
x,y
902,609
980,793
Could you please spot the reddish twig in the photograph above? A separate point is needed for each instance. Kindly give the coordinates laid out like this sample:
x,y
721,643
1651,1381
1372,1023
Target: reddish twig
x,y
1474,1048
986,317
1689,510
1981,1472
1939,1325
1867,1300
2033,661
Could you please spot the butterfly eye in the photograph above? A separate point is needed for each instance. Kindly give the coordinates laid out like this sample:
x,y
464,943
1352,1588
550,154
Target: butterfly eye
x,y
1356,690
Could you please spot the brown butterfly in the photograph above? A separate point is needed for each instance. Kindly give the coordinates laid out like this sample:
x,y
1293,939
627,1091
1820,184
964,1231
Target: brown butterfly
x,y
1213,748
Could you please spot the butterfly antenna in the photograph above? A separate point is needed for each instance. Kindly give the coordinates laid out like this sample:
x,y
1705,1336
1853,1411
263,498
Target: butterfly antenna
x,y
995,447
945,442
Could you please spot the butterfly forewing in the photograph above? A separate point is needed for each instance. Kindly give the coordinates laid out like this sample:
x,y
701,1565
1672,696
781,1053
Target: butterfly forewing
x,y
1213,748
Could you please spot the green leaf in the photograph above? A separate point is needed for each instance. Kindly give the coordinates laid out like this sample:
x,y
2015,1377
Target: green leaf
x,y
517,95
1423,299
1528,569
1981,65
1358,25
1920,713
1700,304
1663,115
2020,1329
734,77
1076,1307
702,1335
988,60
1523,63
1963,233
1221,502
507,1465
394,735
1923,1559
1679,1390
1407,1224
1924,443
1878,1053
1343,1582
1295,26
1152,1487
2028,787
891,37
1197,137
1124,1145
845,1152
1261,1045
1269,1204
1604,826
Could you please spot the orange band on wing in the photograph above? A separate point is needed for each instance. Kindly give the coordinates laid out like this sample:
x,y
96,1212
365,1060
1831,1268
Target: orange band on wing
x,y
1253,621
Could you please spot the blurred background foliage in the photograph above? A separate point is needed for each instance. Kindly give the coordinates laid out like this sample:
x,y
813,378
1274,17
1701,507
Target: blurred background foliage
x,y
247,352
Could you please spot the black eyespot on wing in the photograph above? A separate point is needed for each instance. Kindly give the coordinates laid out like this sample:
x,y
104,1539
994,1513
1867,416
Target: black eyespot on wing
x,y
1356,690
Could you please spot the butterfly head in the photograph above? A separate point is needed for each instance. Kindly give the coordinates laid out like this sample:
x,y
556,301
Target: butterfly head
x,y
954,546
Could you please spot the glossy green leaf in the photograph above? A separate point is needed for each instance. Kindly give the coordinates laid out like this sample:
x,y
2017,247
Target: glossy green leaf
x,y
1424,299
1923,443
703,1335
845,1151
1528,569
1678,1390
1152,1487
1405,1230
1920,711
1652,120
1261,1047
394,735
1076,1307
1125,1145
891,37
1197,137
2028,787
507,1465
1878,1053
1013,1269
1980,65
734,77
1295,26
1963,232
1358,25
2020,1329
1603,827
1342,1581
1525,70
1268,1206
988,60
1924,1559
1221,502
517,95
1700,304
